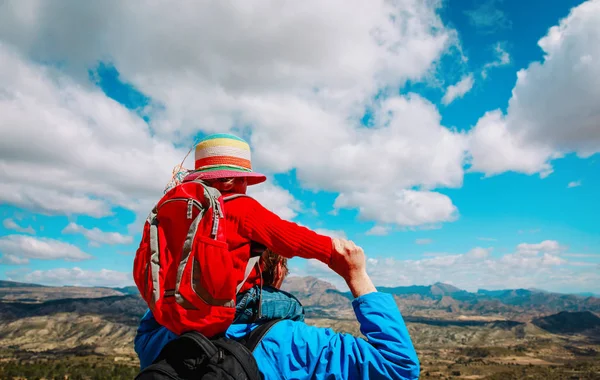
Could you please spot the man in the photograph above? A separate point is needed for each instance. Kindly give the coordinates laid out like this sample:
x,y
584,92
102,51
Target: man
x,y
295,350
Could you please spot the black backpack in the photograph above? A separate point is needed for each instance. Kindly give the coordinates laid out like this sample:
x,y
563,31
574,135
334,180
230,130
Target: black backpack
x,y
194,356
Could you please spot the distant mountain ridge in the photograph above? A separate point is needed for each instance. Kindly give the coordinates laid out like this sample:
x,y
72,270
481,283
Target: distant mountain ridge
x,y
444,301
14,284
323,299
104,320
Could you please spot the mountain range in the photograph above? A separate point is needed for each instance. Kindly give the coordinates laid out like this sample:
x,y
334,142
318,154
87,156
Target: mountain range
x,y
439,300
103,320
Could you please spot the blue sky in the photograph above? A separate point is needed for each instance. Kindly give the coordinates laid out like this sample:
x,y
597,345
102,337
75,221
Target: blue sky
x,y
499,201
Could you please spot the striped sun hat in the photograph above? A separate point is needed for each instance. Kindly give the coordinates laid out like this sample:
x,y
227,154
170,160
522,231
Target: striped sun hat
x,y
224,155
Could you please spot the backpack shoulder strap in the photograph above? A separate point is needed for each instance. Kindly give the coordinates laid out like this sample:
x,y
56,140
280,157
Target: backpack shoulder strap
x,y
234,196
198,340
191,342
253,339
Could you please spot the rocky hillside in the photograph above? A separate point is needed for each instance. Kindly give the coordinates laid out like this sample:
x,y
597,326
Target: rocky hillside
x,y
568,322
120,309
320,298
453,330
103,320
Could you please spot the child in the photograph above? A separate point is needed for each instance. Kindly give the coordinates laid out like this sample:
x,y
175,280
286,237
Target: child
x,y
223,161
269,302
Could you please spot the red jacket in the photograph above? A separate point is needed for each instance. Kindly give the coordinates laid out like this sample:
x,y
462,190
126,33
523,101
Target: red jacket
x,y
247,220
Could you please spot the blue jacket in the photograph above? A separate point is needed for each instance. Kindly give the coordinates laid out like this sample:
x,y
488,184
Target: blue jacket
x,y
295,350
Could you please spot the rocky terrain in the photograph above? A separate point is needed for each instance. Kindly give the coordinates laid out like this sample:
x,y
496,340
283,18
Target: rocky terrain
x,y
505,333
32,293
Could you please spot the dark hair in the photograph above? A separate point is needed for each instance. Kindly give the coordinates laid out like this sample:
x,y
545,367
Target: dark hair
x,y
270,262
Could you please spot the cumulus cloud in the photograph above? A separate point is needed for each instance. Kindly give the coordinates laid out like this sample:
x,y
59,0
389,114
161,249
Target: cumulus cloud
x,y
547,246
458,90
542,265
574,184
97,236
19,249
332,233
10,224
403,207
378,230
553,109
529,265
76,277
276,199
296,84
68,149
495,149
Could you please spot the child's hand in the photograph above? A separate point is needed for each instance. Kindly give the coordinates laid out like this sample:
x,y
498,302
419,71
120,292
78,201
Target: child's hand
x,y
348,260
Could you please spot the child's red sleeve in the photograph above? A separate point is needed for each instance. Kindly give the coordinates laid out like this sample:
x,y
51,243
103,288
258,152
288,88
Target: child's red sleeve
x,y
285,238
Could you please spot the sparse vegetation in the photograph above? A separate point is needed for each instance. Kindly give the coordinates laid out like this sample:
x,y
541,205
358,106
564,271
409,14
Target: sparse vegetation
x,y
92,338
476,352
71,368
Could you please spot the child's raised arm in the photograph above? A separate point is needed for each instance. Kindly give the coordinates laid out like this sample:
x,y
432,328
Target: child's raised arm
x,y
286,238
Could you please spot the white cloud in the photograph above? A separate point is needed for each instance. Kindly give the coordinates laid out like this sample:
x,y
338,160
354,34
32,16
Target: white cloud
x,y
554,107
547,246
276,199
574,184
300,79
403,207
19,249
49,201
423,241
68,149
378,230
479,253
10,259
332,233
546,269
502,59
77,277
10,224
540,265
97,236
530,265
458,90
510,152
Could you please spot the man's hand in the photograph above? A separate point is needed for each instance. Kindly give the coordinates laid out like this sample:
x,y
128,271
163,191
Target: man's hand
x,y
348,260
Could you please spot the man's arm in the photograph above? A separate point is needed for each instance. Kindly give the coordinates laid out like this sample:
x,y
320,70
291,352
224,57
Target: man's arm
x,y
316,352
299,351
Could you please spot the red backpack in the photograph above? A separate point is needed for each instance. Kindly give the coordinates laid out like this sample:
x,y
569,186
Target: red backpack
x,y
183,268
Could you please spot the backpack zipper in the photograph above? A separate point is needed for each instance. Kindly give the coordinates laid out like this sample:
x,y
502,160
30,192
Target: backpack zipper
x,y
190,208
190,202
